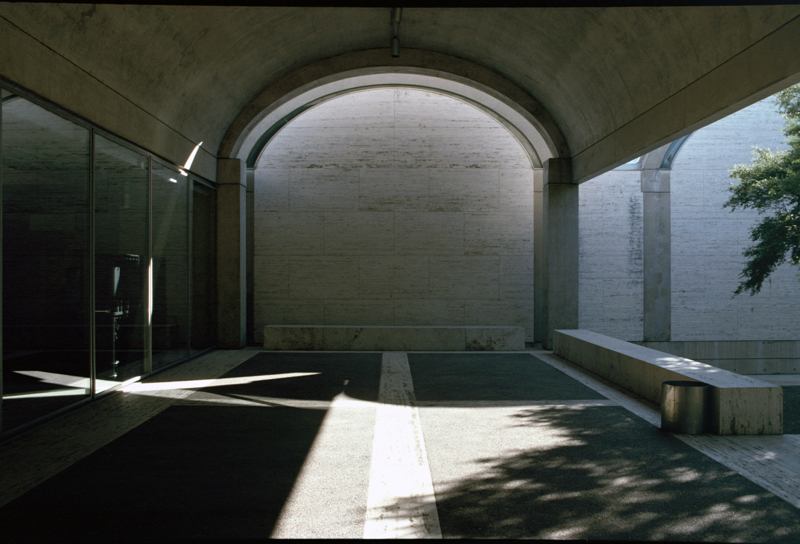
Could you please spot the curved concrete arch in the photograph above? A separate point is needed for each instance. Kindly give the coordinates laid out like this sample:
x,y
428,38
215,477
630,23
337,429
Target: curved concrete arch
x,y
344,73
663,157
271,125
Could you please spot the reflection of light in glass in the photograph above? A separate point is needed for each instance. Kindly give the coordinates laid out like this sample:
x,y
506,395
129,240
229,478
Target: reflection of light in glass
x,y
150,293
198,384
173,180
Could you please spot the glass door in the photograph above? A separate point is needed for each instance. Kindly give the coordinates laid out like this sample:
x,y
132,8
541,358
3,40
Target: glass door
x,y
170,266
121,250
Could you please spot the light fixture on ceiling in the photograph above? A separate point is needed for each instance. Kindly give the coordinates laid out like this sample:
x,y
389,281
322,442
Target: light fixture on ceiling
x,y
396,15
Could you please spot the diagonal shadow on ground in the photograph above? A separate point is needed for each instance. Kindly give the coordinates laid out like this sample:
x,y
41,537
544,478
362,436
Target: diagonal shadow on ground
x,y
197,470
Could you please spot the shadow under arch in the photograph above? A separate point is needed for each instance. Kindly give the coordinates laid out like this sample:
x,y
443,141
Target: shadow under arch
x,y
302,89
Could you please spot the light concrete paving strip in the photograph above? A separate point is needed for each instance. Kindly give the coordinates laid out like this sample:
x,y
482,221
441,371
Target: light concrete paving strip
x,y
513,403
401,501
773,462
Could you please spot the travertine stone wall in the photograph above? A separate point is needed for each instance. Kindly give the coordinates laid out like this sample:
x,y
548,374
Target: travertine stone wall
x,y
611,295
393,207
706,247
707,240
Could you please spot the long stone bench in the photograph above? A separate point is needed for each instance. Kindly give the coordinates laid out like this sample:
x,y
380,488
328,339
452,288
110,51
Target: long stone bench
x,y
739,405
397,338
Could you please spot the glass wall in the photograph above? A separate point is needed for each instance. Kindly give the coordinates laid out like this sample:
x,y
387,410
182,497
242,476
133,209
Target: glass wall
x,y
78,252
121,249
204,263
170,266
46,276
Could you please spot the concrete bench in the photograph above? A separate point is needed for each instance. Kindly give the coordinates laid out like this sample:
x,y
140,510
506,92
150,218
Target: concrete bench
x,y
393,338
739,405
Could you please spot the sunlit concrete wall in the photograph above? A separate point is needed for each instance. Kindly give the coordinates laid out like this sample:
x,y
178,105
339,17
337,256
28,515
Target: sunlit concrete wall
x,y
393,207
611,296
707,240
706,248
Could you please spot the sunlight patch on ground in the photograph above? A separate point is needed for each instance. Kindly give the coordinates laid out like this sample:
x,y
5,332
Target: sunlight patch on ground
x,y
201,384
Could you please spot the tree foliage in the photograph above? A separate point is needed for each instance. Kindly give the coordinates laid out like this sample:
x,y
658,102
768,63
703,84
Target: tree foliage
x,y
771,185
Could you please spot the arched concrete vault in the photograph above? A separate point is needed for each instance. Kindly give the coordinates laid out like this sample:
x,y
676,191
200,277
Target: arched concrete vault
x,y
593,87
254,145
258,122
616,82
387,175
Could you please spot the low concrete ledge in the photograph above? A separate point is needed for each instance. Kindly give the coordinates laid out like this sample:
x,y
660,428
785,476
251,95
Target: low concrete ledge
x,y
398,338
740,404
740,356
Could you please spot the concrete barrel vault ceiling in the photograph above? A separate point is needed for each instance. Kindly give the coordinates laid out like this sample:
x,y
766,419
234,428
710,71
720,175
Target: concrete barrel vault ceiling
x,y
616,82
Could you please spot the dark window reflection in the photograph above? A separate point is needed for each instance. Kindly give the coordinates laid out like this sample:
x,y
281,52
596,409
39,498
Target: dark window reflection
x,y
204,262
170,266
47,254
120,188
45,169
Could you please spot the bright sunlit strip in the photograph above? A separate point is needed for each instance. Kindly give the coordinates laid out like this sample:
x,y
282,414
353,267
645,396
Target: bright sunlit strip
x,y
57,379
198,384
150,293
50,393
189,161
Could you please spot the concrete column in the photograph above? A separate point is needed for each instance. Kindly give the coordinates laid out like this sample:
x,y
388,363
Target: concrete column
x,y
231,253
250,254
560,207
657,257
538,256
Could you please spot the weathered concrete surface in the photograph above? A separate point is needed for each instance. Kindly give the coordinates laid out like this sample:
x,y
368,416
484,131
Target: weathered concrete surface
x,y
611,255
393,207
741,404
561,249
657,245
176,62
292,338
335,338
495,338
231,254
539,262
31,62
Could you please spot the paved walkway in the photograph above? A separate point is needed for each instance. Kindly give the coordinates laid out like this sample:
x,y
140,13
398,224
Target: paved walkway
x,y
252,444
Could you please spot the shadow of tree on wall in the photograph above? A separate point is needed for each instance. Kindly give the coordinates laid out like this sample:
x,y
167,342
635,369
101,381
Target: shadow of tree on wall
x,y
605,475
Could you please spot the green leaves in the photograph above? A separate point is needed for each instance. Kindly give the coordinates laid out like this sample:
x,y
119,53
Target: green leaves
x,y
771,185
775,237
